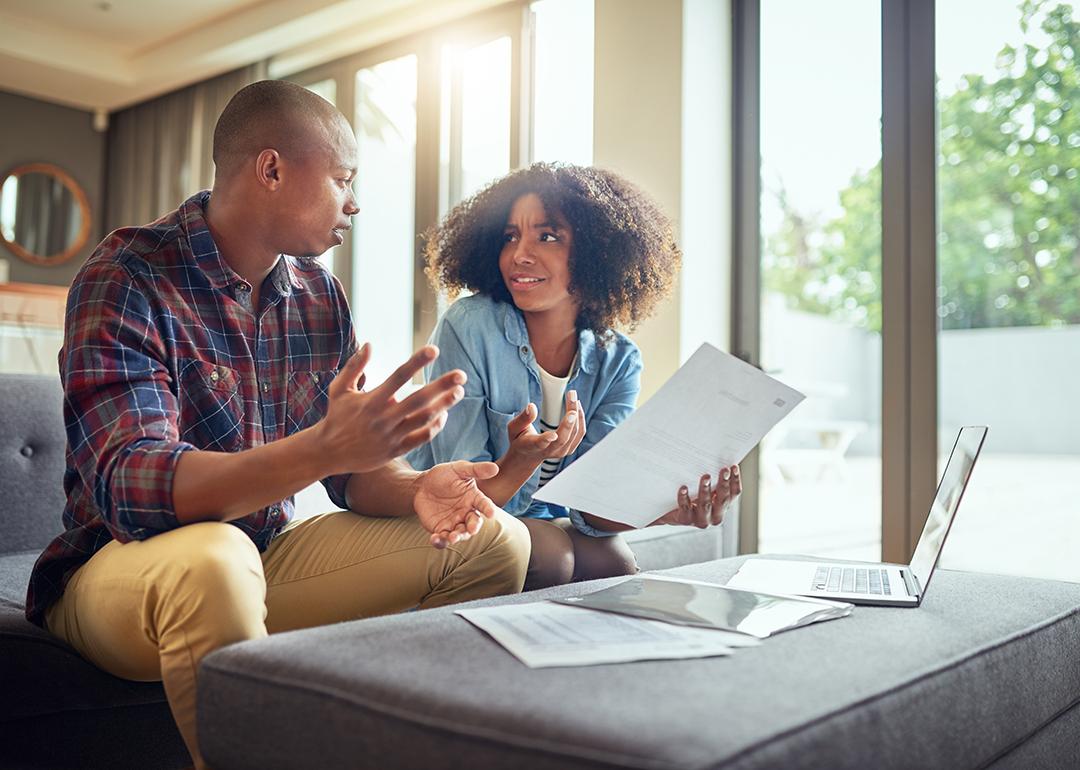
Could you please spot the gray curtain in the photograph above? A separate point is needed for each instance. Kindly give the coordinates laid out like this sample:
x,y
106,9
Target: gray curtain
x,y
46,215
160,150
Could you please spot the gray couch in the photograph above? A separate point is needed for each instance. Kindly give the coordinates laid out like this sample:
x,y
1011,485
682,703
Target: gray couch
x,y
56,710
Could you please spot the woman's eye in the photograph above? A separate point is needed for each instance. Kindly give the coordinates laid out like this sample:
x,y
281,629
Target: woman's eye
x,y
509,237
548,237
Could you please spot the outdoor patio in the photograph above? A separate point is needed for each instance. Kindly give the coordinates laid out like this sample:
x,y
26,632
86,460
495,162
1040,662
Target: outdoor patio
x,y
1020,515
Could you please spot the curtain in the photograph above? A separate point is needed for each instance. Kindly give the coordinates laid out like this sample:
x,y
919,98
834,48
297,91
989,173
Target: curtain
x,y
47,217
160,151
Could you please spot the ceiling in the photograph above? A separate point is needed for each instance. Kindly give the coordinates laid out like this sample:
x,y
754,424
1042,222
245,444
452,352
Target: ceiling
x,y
108,54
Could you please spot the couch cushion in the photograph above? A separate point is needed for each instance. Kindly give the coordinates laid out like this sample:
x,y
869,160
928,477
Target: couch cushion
x,y
43,675
665,547
984,664
32,447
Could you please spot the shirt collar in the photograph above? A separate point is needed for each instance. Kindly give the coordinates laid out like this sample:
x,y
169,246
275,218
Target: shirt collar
x,y
517,334
208,258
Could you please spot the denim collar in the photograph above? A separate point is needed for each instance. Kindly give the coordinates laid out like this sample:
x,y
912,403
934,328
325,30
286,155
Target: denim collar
x,y
517,334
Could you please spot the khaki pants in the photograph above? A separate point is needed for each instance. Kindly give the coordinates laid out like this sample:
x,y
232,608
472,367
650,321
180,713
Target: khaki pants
x,y
150,610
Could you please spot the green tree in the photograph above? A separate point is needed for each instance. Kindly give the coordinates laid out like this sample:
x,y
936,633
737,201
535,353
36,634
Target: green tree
x,y
1009,216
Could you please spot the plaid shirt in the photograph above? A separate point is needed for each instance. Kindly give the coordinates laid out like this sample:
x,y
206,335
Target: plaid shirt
x,y
163,354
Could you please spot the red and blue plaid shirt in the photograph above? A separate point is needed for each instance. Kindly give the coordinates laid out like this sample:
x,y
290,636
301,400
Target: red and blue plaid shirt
x,y
163,354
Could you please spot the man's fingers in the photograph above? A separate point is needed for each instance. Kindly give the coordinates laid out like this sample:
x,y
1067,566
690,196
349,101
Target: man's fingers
x,y
473,522
431,411
353,370
422,435
469,470
485,506
405,372
430,393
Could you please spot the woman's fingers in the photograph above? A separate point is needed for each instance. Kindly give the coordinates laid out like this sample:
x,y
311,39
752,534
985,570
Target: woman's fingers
x,y
703,505
686,515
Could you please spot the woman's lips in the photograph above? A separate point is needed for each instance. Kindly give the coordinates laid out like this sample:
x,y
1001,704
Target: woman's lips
x,y
525,282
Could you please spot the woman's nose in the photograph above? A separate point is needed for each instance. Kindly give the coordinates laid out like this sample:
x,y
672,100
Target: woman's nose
x,y
522,254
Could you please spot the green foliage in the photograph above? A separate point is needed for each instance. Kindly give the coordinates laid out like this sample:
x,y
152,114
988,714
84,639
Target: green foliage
x,y
1009,202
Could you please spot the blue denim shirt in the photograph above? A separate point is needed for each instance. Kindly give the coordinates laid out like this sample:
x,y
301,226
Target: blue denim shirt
x,y
488,340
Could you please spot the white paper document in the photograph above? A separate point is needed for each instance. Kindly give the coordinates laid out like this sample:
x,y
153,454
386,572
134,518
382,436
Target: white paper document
x,y
545,635
711,413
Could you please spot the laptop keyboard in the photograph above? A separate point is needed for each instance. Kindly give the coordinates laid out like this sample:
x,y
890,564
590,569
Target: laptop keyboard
x,y
852,580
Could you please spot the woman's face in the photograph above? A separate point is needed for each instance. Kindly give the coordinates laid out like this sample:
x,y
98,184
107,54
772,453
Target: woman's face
x,y
535,258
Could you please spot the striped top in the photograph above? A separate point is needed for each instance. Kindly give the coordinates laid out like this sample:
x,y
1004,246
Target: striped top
x,y
552,390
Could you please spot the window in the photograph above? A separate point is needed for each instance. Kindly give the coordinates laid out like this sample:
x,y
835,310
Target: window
x,y
1009,276
820,304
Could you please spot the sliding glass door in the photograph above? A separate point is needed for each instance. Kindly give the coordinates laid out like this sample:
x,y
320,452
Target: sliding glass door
x,y
1009,277
820,274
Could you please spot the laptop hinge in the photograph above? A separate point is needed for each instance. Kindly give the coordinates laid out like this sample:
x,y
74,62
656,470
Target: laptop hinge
x,y
912,583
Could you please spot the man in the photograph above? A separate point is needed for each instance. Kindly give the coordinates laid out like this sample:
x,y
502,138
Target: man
x,y
208,378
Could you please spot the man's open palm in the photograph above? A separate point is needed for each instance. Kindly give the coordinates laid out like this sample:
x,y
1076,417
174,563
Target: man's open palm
x,y
449,504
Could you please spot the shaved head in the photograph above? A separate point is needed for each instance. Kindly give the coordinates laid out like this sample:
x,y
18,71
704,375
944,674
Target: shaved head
x,y
273,114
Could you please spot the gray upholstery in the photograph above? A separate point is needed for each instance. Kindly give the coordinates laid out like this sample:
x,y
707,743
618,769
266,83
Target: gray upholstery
x,y
57,710
986,664
32,443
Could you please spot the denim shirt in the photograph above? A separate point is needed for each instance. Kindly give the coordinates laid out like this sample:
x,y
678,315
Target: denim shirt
x,y
488,340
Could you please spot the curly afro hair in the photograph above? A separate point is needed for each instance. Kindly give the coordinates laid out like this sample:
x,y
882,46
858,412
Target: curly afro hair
x,y
623,257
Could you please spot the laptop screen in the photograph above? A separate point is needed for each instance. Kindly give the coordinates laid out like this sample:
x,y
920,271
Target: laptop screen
x,y
946,501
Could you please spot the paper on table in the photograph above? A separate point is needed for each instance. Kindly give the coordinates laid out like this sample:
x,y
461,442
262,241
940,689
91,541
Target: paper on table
x,y
545,635
711,413
710,605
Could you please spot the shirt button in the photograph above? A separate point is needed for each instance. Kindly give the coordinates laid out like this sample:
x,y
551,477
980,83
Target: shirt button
x,y
241,287
524,350
214,376
266,387
315,377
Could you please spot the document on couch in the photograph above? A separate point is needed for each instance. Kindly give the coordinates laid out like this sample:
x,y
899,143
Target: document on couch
x,y
546,635
709,605
711,413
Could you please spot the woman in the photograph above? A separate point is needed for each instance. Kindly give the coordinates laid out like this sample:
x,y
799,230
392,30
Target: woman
x,y
557,256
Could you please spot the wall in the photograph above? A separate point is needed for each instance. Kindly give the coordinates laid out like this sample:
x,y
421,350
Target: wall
x,y
37,131
1020,381
637,131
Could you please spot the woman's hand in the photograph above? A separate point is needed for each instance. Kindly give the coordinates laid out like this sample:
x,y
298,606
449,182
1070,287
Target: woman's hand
x,y
527,444
710,505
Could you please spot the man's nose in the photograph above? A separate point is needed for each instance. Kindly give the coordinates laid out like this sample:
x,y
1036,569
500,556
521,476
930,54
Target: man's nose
x,y
350,204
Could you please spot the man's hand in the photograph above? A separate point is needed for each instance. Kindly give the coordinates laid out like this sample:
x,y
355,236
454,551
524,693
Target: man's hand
x,y
449,504
527,444
708,508
362,430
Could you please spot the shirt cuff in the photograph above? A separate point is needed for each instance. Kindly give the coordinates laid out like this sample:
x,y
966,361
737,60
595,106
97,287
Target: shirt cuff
x,y
139,496
585,528
335,489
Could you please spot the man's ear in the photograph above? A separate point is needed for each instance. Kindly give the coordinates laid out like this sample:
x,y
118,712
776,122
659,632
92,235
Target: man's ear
x,y
268,169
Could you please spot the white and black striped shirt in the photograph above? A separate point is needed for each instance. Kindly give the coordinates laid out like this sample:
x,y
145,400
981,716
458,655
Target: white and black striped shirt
x,y
552,390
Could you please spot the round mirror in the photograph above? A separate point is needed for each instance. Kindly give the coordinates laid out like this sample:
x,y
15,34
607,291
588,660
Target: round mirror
x,y
44,214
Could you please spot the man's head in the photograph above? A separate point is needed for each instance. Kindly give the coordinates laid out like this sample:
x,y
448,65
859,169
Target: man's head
x,y
291,156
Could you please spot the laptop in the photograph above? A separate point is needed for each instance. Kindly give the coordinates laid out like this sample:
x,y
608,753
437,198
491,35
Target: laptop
x,y
887,585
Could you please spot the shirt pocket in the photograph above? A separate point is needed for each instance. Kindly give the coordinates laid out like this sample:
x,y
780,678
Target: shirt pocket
x,y
498,440
306,399
211,406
